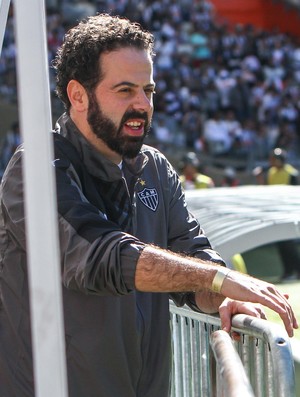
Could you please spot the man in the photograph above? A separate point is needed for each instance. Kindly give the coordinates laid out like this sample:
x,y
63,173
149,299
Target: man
x,y
230,178
118,201
191,177
281,172
278,172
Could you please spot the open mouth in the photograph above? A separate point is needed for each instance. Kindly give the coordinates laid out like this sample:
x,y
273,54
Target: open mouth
x,y
134,127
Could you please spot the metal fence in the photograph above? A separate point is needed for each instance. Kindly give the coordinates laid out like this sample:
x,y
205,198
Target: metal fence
x,y
208,363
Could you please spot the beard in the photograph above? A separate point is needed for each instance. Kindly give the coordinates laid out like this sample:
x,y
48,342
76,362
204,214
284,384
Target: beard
x,y
106,130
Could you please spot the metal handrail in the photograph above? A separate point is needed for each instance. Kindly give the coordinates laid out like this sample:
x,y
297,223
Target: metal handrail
x,y
229,364
264,350
279,346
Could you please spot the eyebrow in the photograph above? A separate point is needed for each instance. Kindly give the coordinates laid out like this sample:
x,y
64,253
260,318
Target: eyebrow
x,y
129,84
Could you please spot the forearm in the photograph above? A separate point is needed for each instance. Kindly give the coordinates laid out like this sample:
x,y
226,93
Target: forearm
x,y
162,271
208,301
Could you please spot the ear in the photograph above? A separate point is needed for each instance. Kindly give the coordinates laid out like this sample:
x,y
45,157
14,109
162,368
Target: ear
x,y
77,96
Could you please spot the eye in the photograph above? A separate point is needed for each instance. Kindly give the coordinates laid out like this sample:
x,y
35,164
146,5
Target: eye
x,y
126,89
149,91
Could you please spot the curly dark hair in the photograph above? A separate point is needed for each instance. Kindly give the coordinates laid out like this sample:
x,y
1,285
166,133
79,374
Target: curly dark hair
x,y
79,56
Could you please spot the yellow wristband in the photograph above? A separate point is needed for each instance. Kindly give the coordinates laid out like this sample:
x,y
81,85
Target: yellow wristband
x,y
219,278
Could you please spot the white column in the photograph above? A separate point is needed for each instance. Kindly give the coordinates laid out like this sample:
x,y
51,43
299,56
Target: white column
x,y
4,7
40,208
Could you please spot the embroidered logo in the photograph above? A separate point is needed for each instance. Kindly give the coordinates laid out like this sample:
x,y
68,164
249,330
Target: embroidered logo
x,y
149,198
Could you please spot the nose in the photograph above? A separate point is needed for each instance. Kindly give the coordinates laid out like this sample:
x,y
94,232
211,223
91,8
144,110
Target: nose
x,y
143,102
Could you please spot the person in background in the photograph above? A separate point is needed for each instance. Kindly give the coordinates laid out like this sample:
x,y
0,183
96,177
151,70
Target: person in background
x,y
191,176
230,178
127,240
191,179
280,172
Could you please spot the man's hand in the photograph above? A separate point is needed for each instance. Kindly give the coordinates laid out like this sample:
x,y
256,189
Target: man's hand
x,y
229,308
242,287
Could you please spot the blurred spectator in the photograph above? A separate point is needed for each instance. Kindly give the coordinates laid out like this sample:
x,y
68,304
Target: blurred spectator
x,y
200,44
202,67
239,98
280,172
225,83
261,141
259,174
211,98
232,127
288,139
191,173
230,178
216,136
268,109
244,145
274,74
162,133
288,111
192,127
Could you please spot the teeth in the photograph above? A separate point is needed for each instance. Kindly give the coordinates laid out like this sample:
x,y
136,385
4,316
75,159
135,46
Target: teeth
x,y
134,124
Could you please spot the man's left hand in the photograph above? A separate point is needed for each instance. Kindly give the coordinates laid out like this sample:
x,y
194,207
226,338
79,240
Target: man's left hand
x,y
229,308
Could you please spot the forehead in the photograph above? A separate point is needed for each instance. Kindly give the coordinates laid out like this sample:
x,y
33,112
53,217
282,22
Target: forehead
x,y
127,64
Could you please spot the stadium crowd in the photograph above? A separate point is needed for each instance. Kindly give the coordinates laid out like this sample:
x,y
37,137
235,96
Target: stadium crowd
x,y
221,91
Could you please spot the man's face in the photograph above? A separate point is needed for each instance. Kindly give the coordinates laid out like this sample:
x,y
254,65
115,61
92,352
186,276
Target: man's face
x,y
105,129
120,109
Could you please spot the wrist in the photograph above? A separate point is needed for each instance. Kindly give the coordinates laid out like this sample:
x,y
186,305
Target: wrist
x,y
219,279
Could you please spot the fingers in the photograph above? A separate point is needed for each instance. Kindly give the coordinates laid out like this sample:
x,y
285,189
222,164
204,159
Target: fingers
x,y
225,315
279,303
246,288
295,322
230,307
259,312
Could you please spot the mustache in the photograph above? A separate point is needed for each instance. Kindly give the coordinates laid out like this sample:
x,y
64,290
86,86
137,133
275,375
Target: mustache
x,y
134,115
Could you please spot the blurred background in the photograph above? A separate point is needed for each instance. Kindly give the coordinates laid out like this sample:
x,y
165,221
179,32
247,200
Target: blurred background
x,y
227,75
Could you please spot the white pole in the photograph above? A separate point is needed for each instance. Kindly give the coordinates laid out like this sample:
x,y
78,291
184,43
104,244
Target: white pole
x,y
40,207
4,8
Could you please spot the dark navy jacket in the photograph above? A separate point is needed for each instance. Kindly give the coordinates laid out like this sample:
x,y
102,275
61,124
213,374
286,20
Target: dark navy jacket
x,y
117,339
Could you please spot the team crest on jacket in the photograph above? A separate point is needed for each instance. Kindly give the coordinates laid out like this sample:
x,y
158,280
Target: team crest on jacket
x,y
149,198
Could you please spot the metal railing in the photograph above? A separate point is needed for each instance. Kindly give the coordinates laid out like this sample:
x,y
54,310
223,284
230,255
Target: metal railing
x,y
204,358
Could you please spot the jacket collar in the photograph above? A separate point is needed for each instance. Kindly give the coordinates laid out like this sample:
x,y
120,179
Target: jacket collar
x,y
96,164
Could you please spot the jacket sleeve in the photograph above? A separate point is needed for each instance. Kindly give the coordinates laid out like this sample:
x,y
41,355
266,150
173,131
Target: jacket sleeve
x,y
96,256
12,201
